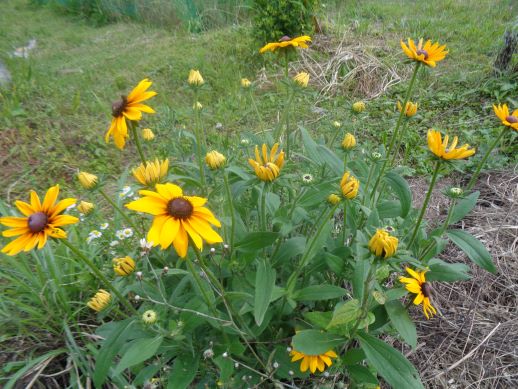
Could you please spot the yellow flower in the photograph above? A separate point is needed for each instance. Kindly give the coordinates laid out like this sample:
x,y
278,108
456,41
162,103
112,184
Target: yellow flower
x,y
85,207
349,185
333,199
40,221
418,285
100,301
410,108
215,159
129,107
502,111
349,142
147,134
440,148
176,218
123,266
149,317
382,244
197,106
313,362
359,106
87,180
429,53
151,173
286,41
267,167
245,83
195,78
302,79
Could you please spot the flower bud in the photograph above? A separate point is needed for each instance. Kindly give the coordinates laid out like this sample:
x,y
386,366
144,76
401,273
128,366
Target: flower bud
x,y
85,207
349,185
333,199
359,106
215,160
87,180
245,83
195,78
149,317
147,134
410,108
349,142
123,266
302,79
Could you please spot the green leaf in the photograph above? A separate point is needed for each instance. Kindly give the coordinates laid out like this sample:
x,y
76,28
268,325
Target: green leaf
x,y
389,209
264,283
353,356
319,292
345,313
273,202
463,207
291,248
315,342
318,319
402,190
401,321
390,363
139,351
473,249
256,240
362,375
443,271
183,372
361,269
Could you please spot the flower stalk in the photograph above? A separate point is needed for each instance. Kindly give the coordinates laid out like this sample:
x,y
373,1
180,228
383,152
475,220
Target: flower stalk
x,y
136,139
118,209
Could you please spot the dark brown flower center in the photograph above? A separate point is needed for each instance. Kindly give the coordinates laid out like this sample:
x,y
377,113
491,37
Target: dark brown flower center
x,y
285,38
179,208
119,106
38,221
511,119
426,289
424,52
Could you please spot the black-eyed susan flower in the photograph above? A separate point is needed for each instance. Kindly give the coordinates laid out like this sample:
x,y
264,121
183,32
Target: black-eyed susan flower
x,y
100,300
410,108
177,218
245,83
382,244
149,317
429,53
313,362
85,207
359,106
148,134
509,120
152,172
333,199
286,42
129,107
215,160
301,79
123,266
442,150
349,142
195,78
267,166
349,185
418,285
87,180
41,220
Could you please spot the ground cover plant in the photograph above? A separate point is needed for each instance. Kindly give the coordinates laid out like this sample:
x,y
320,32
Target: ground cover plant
x,y
281,256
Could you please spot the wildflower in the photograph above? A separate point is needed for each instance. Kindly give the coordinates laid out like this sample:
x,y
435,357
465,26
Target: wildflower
x,y
245,142
302,79
245,83
225,355
502,112
349,185
149,317
333,199
212,250
120,234
87,180
123,266
85,207
429,53
337,124
267,167
349,142
100,301
144,244
152,172
114,243
455,192
147,134
195,78
197,106
376,156
418,285
104,226
95,234
208,354
127,232
129,107
138,275
410,108
218,126
286,42
313,362
359,106
307,178
215,160
440,148
125,192
40,221
382,244
176,218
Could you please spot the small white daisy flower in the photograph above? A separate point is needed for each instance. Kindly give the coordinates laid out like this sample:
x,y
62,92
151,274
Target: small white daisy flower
x,y
104,226
127,232
245,142
114,243
95,234
307,178
120,234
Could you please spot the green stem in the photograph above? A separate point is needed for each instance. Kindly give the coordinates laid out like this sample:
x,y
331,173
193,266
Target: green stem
x,y
263,207
99,275
231,206
197,279
443,228
288,111
426,200
286,64
345,222
136,139
365,300
118,209
399,141
259,117
345,160
366,189
473,180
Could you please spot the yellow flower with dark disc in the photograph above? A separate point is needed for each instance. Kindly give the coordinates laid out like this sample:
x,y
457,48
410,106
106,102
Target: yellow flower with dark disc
x,y
426,53
123,266
267,165
382,244
410,108
152,172
85,207
100,301
41,220
286,42
177,218
417,284
129,107
446,151
313,362
349,185
349,142
215,160
509,120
